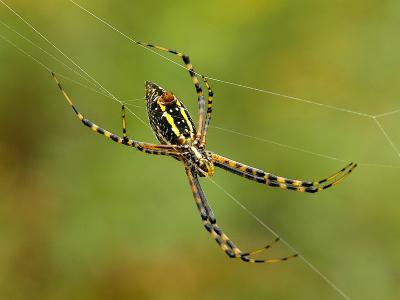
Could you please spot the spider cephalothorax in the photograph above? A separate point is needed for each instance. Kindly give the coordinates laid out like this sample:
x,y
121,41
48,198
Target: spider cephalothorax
x,y
179,138
200,161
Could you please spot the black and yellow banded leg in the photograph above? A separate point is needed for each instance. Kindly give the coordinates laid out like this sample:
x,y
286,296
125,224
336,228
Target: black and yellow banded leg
x,y
234,252
218,235
124,135
209,112
259,250
145,147
198,194
192,72
272,180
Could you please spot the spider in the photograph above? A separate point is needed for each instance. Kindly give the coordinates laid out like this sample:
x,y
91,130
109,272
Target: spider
x,y
175,130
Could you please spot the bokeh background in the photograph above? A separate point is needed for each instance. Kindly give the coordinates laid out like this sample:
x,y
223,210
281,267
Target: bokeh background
x,y
83,218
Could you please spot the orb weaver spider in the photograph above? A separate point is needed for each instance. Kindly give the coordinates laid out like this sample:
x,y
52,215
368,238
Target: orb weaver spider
x,y
179,138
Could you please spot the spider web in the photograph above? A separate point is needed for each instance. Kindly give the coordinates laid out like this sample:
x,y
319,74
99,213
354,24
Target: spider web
x,y
375,117
92,84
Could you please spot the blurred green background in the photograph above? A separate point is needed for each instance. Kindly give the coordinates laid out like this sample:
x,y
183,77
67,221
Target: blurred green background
x,y
83,218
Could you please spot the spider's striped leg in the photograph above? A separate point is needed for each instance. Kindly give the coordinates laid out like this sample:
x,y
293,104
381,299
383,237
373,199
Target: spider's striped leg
x,y
201,201
218,235
192,72
234,252
262,249
209,112
272,180
145,147
124,135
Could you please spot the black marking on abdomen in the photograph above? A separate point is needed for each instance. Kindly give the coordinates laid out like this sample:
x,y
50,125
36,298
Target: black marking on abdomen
x,y
163,129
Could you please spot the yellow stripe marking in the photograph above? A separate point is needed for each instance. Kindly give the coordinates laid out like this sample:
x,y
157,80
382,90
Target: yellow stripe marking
x,y
162,107
171,122
224,247
296,183
237,252
183,113
162,48
276,260
280,179
224,237
243,168
283,186
169,118
232,164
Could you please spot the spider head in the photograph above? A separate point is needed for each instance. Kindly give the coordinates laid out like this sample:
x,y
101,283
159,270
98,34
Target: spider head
x,y
201,162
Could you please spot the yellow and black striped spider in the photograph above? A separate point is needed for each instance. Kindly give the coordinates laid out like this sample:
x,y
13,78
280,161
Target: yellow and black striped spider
x,y
179,138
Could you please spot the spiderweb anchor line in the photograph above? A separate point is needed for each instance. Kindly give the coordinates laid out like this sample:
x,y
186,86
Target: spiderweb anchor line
x,y
98,91
128,102
44,51
387,114
223,81
387,136
305,260
103,90
63,76
301,149
70,60
132,40
47,68
292,98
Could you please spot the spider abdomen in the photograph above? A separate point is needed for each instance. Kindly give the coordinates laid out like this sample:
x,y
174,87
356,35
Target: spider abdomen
x,y
169,118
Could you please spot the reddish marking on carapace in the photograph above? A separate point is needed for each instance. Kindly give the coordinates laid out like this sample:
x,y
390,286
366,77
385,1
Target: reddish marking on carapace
x,y
168,98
